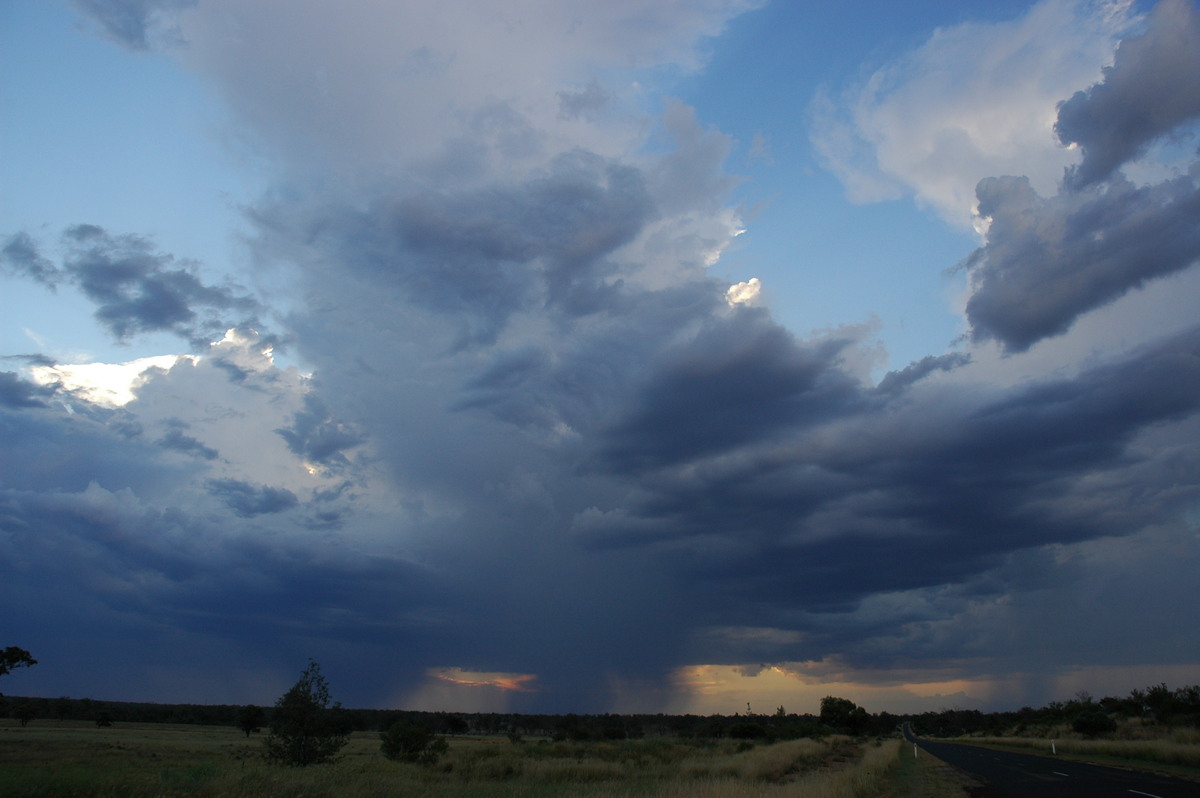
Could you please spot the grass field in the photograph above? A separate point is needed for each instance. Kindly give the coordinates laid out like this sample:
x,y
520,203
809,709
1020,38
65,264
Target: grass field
x,y
1162,753
66,759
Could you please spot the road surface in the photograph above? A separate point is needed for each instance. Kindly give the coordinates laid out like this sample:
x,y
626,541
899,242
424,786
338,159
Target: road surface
x,y
1009,775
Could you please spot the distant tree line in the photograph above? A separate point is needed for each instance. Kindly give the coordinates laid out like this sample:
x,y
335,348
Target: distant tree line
x,y
1155,704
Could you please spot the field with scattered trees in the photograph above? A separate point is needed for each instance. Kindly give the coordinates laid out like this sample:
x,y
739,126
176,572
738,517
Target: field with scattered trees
x,y
308,745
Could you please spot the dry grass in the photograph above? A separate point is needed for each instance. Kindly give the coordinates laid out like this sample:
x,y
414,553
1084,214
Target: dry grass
x,y
1162,751
142,760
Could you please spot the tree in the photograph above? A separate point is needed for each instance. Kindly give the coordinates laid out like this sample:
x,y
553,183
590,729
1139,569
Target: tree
x,y
843,714
12,658
1093,723
25,711
250,718
411,742
305,730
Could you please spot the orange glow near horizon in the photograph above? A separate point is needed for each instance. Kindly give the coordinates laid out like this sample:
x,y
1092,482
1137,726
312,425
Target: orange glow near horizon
x,y
799,688
515,682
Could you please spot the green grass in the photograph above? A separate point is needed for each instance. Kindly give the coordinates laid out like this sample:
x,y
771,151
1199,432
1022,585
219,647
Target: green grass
x,y
916,775
64,759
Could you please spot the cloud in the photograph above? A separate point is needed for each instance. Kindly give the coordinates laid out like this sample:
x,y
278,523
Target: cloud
x,y
22,257
250,500
1049,260
533,435
135,24
135,289
976,100
178,440
1152,88
317,437
744,292
337,68
16,392
897,381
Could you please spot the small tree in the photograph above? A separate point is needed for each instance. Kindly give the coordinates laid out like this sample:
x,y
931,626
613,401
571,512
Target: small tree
x,y
411,742
12,658
250,718
25,711
305,730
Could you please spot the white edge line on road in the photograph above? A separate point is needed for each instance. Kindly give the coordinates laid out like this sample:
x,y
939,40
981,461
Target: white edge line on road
x,y
1152,795
1068,775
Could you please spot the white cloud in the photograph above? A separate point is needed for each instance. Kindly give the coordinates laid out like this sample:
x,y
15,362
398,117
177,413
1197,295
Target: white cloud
x,y
975,100
467,87
744,292
104,384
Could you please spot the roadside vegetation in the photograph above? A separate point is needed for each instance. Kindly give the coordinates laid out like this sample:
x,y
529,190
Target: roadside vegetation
x,y
1156,729
70,758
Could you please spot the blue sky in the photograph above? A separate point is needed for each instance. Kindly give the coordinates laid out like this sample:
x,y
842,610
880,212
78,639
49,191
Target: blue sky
x,y
648,357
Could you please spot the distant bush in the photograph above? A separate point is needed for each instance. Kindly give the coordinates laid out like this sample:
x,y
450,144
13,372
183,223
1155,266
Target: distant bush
x,y
747,731
411,742
1093,723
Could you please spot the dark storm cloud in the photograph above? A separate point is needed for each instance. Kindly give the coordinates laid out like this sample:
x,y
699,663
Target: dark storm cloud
x,y
249,500
567,219
741,378
139,290
1152,87
136,288
897,381
48,450
482,255
130,23
1050,260
584,380
317,437
176,439
16,392
110,567
928,494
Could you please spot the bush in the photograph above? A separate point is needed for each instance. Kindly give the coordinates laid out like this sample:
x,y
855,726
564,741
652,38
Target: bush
x,y
1094,723
410,742
747,731
304,729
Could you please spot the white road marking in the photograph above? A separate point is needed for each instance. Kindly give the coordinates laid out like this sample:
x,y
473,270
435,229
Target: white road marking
x,y
1056,773
1152,795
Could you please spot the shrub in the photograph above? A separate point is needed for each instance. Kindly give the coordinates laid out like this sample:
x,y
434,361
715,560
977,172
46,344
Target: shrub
x,y
1093,723
410,742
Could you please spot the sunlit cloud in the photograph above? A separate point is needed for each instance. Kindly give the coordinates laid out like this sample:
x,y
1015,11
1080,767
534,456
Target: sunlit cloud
x,y
517,682
104,384
744,293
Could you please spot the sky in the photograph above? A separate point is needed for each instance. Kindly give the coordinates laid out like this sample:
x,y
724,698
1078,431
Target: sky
x,y
554,356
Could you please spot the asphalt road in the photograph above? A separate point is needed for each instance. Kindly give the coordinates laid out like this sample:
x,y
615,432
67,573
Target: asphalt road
x,y
1009,775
